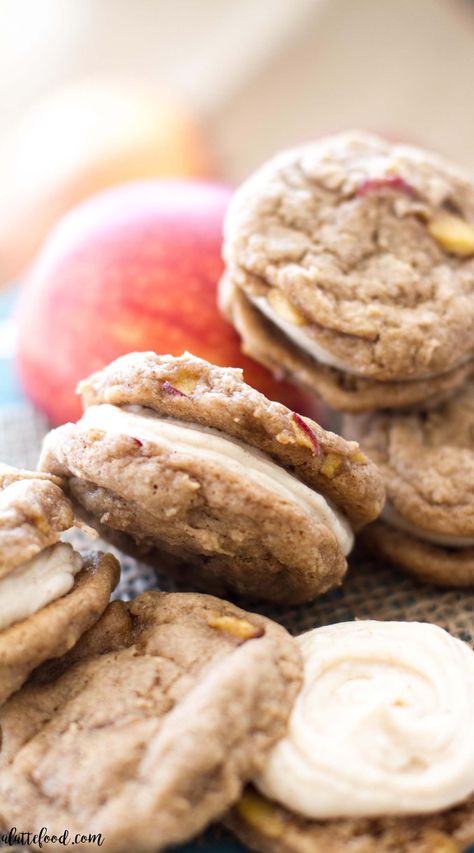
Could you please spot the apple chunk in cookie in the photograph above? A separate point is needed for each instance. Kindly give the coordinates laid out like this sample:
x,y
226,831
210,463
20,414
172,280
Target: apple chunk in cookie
x,y
49,593
350,269
206,477
171,702
427,461
379,750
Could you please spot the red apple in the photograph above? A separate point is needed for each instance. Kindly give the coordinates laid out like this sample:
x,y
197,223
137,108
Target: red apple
x,y
82,139
134,268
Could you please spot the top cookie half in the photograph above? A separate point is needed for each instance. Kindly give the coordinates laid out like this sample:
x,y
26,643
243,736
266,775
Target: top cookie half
x,y
361,253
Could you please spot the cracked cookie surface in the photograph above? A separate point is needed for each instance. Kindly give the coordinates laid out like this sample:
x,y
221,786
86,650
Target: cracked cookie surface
x,y
345,392
343,230
170,710
427,461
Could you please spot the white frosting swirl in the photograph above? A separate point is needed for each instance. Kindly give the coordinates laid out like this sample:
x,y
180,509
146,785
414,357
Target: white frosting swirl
x,y
383,724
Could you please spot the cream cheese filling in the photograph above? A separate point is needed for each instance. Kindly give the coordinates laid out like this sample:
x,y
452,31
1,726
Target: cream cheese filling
x,y
237,457
302,337
392,517
382,725
37,582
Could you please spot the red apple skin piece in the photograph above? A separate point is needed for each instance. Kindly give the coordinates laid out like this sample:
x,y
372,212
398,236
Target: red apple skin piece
x,y
394,182
134,268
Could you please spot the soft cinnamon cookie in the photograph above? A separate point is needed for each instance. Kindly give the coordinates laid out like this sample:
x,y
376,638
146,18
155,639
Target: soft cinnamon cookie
x,y
148,729
427,461
49,593
379,751
350,267
202,475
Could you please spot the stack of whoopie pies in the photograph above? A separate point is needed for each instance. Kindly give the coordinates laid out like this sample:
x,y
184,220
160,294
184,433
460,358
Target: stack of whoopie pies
x,y
132,725
350,268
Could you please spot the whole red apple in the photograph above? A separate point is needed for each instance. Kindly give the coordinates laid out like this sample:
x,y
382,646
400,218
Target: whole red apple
x,y
133,268
61,154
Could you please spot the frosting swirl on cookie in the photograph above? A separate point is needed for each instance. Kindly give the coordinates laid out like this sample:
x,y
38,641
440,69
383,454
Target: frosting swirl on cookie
x,y
382,725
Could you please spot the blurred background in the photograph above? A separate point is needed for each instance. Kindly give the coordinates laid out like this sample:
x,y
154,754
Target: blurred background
x,y
98,93
260,73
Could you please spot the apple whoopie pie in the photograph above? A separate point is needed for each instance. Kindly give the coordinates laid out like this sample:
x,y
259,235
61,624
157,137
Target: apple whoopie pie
x,y
350,269
49,593
148,729
202,475
379,751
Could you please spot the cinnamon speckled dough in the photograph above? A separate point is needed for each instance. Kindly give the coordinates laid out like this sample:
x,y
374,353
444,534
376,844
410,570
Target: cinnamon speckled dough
x,y
53,630
340,227
281,831
345,392
150,727
33,513
215,529
427,461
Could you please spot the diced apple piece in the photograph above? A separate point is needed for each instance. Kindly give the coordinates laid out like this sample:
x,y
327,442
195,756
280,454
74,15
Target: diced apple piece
x,y
284,308
240,628
305,436
453,234
331,465
258,812
392,182
442,843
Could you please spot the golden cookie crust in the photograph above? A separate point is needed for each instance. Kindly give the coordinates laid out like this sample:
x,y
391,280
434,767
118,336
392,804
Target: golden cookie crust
x,y
343,228
168,717
269,828
54,629
33,513
345,392
427,461
434,564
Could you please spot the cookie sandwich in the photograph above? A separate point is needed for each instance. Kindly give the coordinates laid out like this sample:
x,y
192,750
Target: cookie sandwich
x,y
149,728
49,593
350,270
379,751
427,461
184,464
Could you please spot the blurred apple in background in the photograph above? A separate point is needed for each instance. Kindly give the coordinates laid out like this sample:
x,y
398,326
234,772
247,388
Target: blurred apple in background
x,y
134,268
84,138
